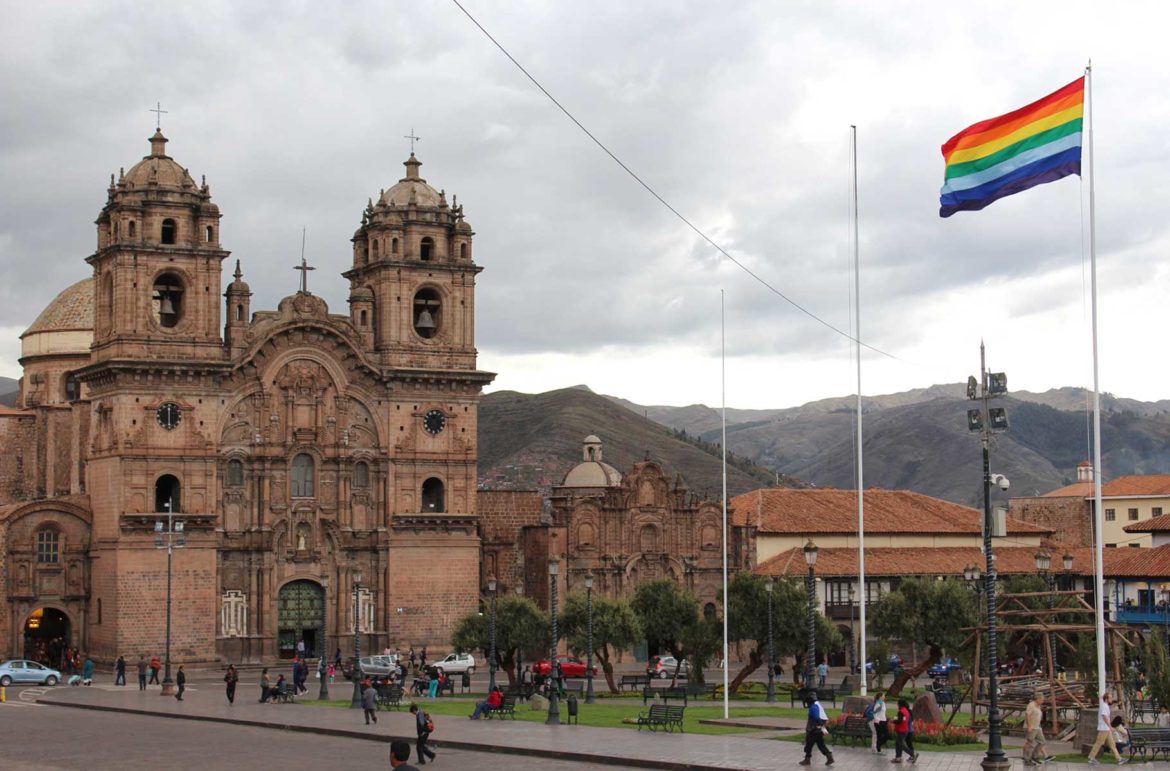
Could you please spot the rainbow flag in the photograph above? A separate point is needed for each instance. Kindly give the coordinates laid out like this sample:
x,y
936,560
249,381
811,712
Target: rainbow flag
x,y
1002,156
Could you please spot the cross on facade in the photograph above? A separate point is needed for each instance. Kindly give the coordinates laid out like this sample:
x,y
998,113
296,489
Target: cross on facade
x,y
412,139
304,269
159,112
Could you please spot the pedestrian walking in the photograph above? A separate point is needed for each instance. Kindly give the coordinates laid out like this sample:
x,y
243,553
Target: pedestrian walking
x,y
296,674
231,678
422,658
1105,732
87,671
413,658
400,755
815,730
300,648
901,729
337,658
141,672
120,671
155,666
822,674
424,727
181,681
265,685
370,704
878,726
1035,752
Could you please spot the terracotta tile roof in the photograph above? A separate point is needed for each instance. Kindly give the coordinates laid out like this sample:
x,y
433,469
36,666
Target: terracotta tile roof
x,y
1075,490
1156,525
1122,487
950,561
781,510
6,410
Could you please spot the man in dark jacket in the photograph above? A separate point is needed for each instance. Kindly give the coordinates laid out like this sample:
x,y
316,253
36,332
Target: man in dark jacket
x,y
424,733
181,681
141,672
815,730
370,704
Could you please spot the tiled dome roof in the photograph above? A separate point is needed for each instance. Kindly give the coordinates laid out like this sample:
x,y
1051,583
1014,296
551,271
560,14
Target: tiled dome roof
x,y
72,309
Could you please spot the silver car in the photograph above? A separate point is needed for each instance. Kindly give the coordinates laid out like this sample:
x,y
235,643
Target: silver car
x,y
379,665
25,671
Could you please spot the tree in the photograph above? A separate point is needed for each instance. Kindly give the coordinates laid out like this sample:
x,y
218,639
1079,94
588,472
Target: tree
x,y
519,623
615,627
670,618
929,612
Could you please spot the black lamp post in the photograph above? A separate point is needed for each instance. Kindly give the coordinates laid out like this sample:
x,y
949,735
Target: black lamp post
x,y
1166,614
985,420
589,655
810,556
852,635
356,701
169,535
492,626
554,707
519,648
1044,567
769,586
322,669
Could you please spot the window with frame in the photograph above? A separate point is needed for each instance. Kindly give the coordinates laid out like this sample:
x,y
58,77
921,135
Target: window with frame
x,y
838,592
1133,515
48,547
1110,515
361,474
1156,511
235,473
302,476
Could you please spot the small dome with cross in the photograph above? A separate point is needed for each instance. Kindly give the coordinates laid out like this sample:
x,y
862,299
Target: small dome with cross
x,y
412,189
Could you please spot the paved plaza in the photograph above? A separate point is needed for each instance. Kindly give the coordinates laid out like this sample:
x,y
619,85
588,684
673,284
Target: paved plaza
x,y
534,744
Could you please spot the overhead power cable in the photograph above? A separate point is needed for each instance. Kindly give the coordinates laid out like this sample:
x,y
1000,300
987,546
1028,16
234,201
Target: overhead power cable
x,y
699,232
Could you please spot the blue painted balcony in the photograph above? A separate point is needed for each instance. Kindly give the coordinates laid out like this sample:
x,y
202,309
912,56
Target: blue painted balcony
x,y
1131,613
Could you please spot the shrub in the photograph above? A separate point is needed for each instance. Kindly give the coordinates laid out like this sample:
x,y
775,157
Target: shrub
x,y
937,733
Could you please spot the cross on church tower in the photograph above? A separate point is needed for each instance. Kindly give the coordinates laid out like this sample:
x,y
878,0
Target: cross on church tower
x,y
304,268
159,112
412,139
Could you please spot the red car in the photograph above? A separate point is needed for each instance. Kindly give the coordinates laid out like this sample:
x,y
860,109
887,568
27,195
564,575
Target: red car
x,y
570,667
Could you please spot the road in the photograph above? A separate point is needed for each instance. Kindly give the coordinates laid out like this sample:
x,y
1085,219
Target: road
x,y
46,738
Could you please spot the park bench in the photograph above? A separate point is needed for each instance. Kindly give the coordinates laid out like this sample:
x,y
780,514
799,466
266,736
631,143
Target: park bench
x,y
1142,707
854,727
634,681
507,708
944,697
286,694
390,696
666,694
846,687
1144,740
664,716
698,689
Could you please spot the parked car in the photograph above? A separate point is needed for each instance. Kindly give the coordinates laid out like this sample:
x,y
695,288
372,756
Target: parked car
x,y
893,664
570,667
25,671
944,668
664,667
456,663
379,665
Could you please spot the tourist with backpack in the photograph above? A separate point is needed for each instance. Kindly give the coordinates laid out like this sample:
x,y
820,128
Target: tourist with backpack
x,y
875,713
815,730
424,726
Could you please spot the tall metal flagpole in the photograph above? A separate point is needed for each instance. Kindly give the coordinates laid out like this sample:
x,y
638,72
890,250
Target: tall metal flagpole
x,y
1098,514
726,602
860,476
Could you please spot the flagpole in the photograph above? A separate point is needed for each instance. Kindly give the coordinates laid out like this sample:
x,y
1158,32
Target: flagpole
x,y
860,476
1098,513
726,601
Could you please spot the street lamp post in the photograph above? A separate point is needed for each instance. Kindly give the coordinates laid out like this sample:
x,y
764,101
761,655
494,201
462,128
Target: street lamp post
x,y
769,586
1166,614
973,577
169,535
520,647
985,419
356,701
852,634
1044,567
810,556
492,625
322,668
554,707
589,655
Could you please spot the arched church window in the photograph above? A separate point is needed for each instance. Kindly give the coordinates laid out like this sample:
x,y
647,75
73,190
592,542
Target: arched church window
x,y
394,246
209,234
48,546
709,611
463,251
427,313
130,229
72,388
167,300
374,248
239,313
235,473
432,496
169,231
426,248
361,474
117,231
649,538
363,318
302,476
166,494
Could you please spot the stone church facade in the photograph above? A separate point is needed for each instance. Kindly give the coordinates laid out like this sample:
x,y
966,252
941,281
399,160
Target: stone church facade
x,y
321,464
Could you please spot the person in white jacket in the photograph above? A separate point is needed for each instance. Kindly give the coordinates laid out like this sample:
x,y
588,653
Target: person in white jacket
x,y
878,726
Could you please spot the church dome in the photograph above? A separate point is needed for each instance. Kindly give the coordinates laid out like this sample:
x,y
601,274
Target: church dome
x,y
362,292
411,189
65,326
158,168
592,472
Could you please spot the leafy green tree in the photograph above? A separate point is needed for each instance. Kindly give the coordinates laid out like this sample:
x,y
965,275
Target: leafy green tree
x,y
519,622
669,617
615,628
931,613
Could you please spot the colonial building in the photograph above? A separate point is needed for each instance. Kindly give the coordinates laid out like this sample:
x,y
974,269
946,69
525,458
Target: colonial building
x,y
318,462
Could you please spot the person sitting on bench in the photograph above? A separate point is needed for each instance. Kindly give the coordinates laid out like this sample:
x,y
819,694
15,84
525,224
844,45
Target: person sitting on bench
x,y
494,700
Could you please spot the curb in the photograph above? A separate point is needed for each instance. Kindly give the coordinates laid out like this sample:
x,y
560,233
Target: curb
x,y
580,757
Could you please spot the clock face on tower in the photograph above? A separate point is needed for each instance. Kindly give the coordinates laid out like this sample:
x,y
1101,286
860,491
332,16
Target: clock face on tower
x,y
169,415
434,422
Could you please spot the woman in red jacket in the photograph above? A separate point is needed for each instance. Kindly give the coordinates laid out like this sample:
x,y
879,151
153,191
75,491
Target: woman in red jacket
x,y
901,730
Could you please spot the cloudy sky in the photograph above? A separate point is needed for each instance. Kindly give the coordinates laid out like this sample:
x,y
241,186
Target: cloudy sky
x,y
738,114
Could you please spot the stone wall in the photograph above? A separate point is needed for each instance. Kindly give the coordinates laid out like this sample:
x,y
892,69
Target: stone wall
x,y
1069,518
503,514
434,579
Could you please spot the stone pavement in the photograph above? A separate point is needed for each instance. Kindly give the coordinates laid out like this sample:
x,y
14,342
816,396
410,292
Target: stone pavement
x,y
595,746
